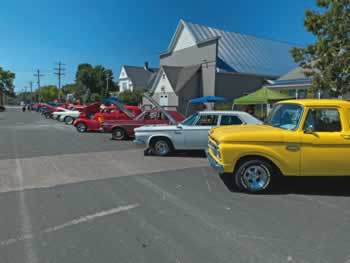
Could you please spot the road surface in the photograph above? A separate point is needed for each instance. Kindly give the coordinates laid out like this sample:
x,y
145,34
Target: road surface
x,y
70,197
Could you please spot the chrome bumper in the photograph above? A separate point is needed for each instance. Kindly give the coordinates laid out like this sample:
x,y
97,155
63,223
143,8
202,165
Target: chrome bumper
x,y
216,166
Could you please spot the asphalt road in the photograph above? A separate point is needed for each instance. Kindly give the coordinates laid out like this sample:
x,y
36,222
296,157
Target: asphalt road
x,y
69,197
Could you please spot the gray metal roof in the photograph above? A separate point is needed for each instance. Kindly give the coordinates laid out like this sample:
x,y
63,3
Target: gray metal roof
x,y
246,54
139,76
294,74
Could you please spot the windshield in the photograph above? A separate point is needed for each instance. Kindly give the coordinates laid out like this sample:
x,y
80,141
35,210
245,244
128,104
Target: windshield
x,y
285,116
189,121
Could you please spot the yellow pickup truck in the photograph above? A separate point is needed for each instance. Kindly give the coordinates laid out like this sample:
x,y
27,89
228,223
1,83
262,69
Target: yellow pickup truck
x,y
299,138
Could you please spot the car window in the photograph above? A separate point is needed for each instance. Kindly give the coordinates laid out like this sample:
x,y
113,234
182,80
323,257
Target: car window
x,y
207,120
162,116
323,120
285,116
230,120
153,115
189,121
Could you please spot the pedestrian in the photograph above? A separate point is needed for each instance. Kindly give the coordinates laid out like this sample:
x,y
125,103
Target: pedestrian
x,y
24,108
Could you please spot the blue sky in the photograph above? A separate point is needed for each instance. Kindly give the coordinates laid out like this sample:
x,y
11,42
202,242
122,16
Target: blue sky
x,y
37,33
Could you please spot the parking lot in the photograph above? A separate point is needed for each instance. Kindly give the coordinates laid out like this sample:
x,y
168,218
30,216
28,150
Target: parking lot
x,y
71,197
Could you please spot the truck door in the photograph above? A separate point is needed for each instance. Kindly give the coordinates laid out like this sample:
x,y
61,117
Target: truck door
x,y
325,143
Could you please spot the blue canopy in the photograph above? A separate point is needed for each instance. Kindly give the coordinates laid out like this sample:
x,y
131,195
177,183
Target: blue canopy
x,y
208,99
112,100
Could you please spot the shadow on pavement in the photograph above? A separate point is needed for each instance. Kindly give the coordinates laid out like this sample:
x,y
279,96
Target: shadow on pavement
x,y
187,153
313,185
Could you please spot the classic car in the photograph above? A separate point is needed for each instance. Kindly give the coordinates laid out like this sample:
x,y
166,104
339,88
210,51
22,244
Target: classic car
x,y
83,123
191,134
62,114
122,129
70,115
299,138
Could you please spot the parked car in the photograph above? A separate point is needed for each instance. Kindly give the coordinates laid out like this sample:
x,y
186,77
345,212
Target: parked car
x,y
83,123
2,108
191,134
62,114
122,129
69,116
299,138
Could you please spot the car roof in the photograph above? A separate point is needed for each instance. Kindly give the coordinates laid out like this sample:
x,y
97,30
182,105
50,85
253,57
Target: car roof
x,y
318,102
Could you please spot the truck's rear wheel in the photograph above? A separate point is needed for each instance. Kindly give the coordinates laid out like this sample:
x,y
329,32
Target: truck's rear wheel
x,y
118,134
254,175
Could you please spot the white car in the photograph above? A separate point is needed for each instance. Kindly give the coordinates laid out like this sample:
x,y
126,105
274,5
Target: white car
x,y
68,116
191,134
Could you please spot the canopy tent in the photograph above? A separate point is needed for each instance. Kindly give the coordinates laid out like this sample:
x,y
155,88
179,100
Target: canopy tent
x,y
261,96
208,99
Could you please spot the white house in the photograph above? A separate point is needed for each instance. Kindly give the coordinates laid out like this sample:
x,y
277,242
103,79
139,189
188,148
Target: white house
x,y
136,78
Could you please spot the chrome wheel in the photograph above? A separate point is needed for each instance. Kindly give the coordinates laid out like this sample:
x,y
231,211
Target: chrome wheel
x,y
118,134
81,127
69,120
256,177
161,147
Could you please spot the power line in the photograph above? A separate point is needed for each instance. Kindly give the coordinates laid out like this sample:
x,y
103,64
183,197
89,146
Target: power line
x,y
59,72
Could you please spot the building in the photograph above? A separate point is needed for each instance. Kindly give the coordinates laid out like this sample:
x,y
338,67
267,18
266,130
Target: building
x,y
2,98
295,84
205,61
136,78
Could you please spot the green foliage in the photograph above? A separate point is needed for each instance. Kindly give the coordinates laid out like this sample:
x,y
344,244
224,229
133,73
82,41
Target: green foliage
x,y
6,81
95,97
328,59
48,93
131,97
94,79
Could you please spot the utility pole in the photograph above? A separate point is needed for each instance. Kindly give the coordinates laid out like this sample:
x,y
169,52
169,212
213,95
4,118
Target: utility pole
x,y
31,91
59,71
38,76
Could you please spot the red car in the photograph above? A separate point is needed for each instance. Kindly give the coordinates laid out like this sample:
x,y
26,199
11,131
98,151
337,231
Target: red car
x,y
122,129
83,123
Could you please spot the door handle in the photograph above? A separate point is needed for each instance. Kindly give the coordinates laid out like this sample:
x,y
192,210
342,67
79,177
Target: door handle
x,y
346,136
178,132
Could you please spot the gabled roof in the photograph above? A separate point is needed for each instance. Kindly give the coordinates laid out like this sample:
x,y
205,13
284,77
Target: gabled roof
x,y
242,53
139,76
177,76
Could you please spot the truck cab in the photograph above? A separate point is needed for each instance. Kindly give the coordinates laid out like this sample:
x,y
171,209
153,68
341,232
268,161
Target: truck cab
x,y
299,138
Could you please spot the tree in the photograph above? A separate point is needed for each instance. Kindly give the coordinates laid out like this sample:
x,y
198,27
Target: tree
x,y
49,93
129,97
94,80
6,81
327,61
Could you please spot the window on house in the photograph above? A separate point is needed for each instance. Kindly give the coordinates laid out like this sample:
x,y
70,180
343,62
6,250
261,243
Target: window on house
x,y
163,76
323,120
124,85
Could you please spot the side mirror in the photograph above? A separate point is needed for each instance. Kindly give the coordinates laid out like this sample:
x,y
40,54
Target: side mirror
x,y
309,129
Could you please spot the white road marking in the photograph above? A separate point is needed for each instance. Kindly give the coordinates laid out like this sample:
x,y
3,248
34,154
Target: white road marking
x,y
26,224
77,221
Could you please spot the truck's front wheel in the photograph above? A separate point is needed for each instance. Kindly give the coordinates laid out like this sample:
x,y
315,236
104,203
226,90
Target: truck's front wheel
x,y
254,175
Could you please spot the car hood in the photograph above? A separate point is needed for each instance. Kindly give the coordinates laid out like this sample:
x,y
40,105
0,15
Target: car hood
x,y
246,133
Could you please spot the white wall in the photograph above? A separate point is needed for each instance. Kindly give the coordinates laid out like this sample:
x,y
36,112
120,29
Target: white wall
x,y
122,74
185,40
163,82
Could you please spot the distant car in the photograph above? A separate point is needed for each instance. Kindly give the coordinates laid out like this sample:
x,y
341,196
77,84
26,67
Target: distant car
x,y
2,108
191,134
122,129
83,123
